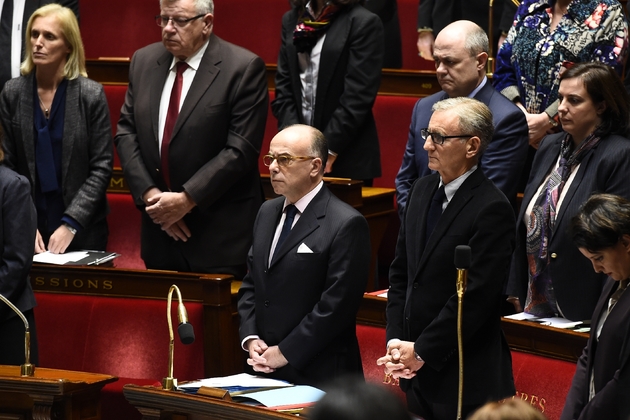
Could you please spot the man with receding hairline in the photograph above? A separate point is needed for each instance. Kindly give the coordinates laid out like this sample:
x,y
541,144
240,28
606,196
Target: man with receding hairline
x,y
189,138
461,53
308,267
456,205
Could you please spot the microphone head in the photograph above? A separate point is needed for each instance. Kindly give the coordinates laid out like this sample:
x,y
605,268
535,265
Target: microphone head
x,y
462,256
186,333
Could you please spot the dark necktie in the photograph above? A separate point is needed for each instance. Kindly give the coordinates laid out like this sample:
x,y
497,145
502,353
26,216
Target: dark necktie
x,y
435,211
6,20
171,118
290,212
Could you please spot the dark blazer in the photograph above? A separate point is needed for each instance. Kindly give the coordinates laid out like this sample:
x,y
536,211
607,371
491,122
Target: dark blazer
x,y
87,153
605,170
306,303
213,152
422,299
502,161
18,224
348,81
436,14
608,358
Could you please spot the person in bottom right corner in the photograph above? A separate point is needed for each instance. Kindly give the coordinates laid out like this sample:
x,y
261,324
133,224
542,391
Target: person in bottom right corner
x,y
601,385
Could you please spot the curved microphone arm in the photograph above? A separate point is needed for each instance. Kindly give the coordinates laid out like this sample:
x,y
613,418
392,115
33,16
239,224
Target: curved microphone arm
x,y
27,369
186,335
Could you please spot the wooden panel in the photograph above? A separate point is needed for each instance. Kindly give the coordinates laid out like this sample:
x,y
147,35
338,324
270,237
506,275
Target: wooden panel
x,y
417,83
221,348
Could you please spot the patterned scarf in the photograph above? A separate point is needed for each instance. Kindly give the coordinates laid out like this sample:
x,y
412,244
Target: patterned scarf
x,y
309,29
541,300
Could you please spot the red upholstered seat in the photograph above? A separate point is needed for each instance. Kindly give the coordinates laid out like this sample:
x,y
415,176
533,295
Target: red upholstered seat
x,y
372,346
542,381
124,231
115,95
122,337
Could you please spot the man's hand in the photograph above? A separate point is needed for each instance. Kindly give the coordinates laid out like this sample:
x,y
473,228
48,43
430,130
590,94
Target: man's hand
x,y
400,360
178,231
39,243
329,163
167,208
59,240
264,358
425,45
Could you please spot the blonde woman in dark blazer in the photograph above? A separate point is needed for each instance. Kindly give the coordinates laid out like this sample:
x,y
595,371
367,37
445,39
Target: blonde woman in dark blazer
x,y
58,134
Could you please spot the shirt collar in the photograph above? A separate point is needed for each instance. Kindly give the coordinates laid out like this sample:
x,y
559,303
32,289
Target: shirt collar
x,y
303,202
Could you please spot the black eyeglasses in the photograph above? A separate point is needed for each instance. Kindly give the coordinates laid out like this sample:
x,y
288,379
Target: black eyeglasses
x,y
283,160
437,138
162,21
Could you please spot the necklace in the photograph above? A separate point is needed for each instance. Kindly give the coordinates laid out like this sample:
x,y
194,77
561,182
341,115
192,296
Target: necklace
x,y
46,110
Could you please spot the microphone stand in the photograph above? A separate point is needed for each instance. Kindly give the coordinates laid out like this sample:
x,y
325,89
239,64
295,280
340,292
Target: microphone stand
x,y
27,369
169,383
462,262
490,62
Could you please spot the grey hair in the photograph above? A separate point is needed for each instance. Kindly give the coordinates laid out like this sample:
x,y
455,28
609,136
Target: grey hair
x,y
475,118
201,6
477,41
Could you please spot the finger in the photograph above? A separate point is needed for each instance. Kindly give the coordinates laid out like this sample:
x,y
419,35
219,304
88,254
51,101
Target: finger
x,y
176,231
184,227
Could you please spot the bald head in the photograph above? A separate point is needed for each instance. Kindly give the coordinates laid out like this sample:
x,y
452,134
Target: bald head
x,y
299,156
460,53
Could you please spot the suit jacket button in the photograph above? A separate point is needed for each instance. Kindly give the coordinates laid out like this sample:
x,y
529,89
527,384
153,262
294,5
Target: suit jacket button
x,y
415,285
554,255
266,304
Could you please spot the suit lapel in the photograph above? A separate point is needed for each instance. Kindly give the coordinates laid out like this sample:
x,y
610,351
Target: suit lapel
x,y
268,231
568,197
548,161
463,195
27,124
308,222
71,123
206,73
420,221
157,78
336,37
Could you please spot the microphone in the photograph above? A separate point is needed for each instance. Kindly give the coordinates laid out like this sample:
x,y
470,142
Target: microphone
x,y
27,369
462,263
184,330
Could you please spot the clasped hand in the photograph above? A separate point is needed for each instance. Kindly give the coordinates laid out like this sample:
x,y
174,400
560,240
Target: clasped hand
x,y
167,209
400,360
264,358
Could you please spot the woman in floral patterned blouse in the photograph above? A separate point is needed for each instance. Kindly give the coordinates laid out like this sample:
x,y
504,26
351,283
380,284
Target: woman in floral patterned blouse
x,y
546,34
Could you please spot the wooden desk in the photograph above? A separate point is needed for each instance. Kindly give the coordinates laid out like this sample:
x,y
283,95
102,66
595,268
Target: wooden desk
x,y
222,354
521,335
50,394
157,404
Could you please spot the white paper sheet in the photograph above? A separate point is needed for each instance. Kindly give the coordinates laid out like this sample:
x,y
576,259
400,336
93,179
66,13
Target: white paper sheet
x,y
59,259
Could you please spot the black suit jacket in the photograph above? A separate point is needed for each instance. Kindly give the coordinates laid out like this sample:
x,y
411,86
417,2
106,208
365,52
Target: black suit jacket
x,y
422,299
608,358
306,303
348,81
213,152
18,224
605,170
